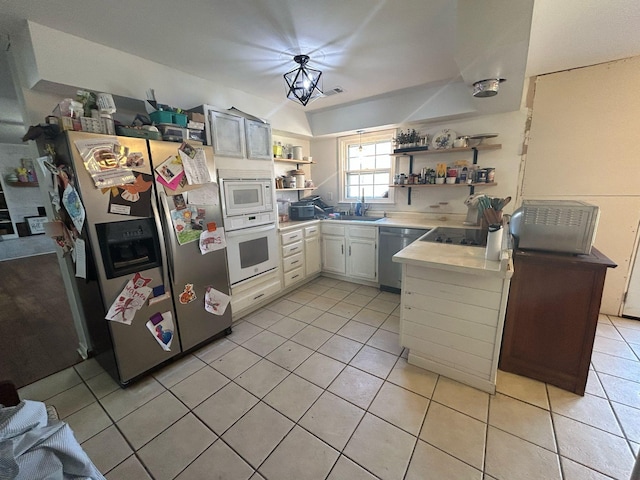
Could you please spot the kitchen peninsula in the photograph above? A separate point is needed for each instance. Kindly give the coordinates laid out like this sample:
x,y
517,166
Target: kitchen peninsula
x,y
453,308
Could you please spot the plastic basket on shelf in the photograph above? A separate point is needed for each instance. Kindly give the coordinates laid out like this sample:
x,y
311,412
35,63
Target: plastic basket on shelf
x,y
92,125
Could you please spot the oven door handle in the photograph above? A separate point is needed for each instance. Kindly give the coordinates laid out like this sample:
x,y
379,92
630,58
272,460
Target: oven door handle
x,y
245,231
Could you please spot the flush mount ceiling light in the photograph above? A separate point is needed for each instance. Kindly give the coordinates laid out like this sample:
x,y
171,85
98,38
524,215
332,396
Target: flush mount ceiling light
x,y
302,83
487,88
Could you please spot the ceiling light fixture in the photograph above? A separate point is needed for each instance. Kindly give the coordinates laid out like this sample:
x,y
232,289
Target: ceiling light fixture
x,y
302,83
487,88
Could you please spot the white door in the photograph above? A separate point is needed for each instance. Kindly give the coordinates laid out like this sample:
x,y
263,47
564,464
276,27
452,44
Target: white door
x,y
333,255
362,259
312,255
631,307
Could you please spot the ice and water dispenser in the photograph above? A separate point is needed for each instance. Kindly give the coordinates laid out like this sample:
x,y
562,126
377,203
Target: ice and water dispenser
x,y
129,246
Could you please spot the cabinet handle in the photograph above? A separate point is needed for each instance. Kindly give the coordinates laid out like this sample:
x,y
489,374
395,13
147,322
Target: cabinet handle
x,y
293,236
342,249
295,276
349,250
294,249
261,295
294,262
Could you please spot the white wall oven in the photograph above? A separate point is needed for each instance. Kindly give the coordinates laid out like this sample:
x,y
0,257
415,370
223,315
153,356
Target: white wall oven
x,y
251,252
249,222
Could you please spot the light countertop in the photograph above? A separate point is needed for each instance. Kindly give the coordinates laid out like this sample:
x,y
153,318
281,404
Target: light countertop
x,y
406,221
457,258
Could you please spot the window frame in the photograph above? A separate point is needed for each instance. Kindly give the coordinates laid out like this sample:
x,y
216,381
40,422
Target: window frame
x,y
372,137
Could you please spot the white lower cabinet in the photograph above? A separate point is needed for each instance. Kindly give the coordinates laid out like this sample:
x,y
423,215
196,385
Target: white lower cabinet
x,y
451,322
292,256
253,292
333,257
350,250
312,253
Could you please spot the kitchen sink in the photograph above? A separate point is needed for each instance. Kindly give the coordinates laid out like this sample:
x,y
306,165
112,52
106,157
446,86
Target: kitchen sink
x,y
360,218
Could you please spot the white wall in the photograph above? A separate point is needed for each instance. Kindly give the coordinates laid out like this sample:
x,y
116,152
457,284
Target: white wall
x,y
52,61
584,146
510,129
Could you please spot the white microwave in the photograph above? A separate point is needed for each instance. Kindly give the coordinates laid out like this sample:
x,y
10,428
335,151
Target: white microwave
x,y
245,193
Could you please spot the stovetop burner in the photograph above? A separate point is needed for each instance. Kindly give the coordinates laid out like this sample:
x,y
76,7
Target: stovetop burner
x,y
470,237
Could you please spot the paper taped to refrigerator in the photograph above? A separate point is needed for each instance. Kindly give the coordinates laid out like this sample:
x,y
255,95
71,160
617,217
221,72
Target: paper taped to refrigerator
x,y
212,241
73,206
130,300
161,327
215,302
170,172
207,194
106,161
195,167
188,223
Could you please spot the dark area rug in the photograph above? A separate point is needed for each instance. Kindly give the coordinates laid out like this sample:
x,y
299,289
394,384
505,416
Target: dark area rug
x,y
37,336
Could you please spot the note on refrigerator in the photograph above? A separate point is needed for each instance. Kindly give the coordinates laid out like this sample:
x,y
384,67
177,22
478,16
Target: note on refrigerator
x,y
195,167
80,257
207,194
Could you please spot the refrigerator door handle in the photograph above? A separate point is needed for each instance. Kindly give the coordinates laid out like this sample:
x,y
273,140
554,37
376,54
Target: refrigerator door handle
x,y
166,251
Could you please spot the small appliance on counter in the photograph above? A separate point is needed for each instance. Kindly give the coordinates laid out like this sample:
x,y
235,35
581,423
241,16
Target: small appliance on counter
x,y
302,211
320,209
566,226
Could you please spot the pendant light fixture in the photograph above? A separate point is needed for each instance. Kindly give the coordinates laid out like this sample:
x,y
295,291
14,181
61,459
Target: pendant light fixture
x,y
360,147
487,88
302,83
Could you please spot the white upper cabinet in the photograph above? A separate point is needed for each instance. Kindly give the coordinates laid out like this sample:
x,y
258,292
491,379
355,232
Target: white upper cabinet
x,y
239,137
227,134
258,140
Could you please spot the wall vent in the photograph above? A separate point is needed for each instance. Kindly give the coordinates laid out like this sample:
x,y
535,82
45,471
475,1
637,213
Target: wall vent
x,y
333,91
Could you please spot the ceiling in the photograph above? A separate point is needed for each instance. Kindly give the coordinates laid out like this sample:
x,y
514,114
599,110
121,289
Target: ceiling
x,y
366,47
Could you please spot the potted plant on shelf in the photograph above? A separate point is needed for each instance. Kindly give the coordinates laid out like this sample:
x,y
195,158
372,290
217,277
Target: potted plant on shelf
x,y
409,141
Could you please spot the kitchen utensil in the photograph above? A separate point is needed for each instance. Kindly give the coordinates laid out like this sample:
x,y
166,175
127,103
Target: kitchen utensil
x,y
494,242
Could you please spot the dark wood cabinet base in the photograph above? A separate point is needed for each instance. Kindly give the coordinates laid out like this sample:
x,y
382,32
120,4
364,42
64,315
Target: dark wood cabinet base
x,y
552,314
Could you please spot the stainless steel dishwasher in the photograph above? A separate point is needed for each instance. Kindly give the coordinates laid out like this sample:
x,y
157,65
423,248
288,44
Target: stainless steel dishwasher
x,y
392,240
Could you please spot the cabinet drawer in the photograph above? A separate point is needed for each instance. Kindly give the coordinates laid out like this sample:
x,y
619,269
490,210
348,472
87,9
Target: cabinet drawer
x,y
311,231
292,248
363,232
290,237
332,229
249,297
294,261
293,276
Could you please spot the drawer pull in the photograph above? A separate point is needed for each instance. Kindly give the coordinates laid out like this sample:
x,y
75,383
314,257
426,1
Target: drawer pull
x,y
257,297
293,236
294,262
295,276
294,249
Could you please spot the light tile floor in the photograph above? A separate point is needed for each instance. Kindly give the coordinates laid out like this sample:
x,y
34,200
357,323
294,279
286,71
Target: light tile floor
x,y
314,386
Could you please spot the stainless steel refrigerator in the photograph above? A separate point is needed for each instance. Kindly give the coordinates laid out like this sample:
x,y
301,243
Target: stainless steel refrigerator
x,y
129,235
